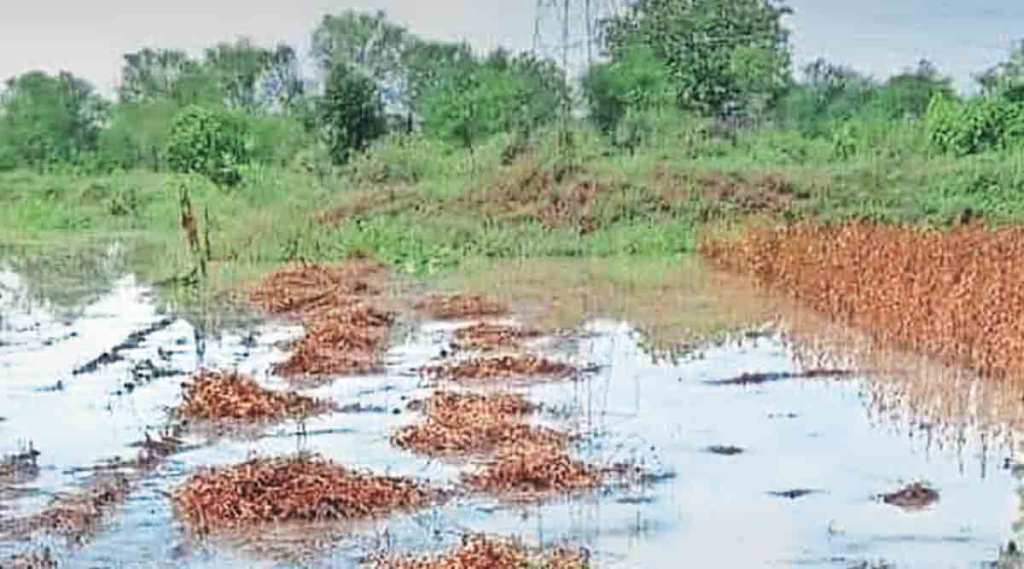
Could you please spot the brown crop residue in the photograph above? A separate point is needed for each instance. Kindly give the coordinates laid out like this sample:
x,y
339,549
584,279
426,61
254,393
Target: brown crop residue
x,y
32,560
489,337
304,488
499,367
916,496
216,396
347,324
483,552
530,469
461,424
955,294
74,516
457,306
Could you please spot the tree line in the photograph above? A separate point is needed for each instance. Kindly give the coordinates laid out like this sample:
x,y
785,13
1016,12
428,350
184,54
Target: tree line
x,y
727,61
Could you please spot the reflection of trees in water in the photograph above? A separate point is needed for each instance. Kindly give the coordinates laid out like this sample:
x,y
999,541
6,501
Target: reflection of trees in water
x,y
64,280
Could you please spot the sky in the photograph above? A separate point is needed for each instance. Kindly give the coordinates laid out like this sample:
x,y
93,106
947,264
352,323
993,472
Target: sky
x,y
89,37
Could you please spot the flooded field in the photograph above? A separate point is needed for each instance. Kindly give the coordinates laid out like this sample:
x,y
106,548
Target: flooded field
x,y
752,435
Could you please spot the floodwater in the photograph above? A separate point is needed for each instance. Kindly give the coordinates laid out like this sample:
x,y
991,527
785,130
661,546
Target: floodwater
x,y
778,473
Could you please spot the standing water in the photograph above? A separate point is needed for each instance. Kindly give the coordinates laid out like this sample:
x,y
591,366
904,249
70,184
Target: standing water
x,y
757,460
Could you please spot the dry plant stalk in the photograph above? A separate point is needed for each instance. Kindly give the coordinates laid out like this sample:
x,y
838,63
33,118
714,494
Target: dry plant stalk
x,y
955,295
488,337
216,396
530,469
499,367
461,424
303,488
483,552
347,328
460,306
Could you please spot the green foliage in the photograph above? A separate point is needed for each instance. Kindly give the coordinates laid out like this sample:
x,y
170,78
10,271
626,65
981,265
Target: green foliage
x,y
975,125
275,140
47,120
724,56
1006,79
637,81
137,135
208,142
350,113
500,94
401,159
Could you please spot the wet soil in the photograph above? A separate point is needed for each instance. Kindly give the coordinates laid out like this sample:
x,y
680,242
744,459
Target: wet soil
x,y
814,431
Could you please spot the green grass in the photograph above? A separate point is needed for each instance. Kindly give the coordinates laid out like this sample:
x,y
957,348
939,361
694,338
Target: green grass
x,y
426,208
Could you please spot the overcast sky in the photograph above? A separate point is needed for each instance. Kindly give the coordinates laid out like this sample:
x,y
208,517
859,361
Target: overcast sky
x,y
88,37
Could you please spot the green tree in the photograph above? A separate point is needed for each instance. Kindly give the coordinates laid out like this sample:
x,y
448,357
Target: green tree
x,y
369,43
907,94
46,119
209,142
725,56
158,74
636,81
1006,79
350,112
499,94
137,135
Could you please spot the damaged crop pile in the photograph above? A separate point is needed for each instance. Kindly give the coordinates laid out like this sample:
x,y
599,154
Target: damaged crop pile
x,y
347,326
304,488
528,468
469,423
74,515
460,306
956,295
214,396
486,337
483,552
499,367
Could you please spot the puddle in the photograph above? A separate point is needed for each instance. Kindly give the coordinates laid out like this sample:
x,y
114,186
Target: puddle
x,y
779,473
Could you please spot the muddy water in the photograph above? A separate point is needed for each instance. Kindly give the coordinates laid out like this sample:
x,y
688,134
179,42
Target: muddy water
x,y
794,481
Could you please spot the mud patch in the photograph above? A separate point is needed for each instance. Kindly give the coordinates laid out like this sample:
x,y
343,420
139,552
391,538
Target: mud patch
x,y
916,496
500,367
758,378
794,494
304,488
216,396
460,306
724,450
484,552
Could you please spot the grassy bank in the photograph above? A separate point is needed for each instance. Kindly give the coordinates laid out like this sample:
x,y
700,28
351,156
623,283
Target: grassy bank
x,y
426,208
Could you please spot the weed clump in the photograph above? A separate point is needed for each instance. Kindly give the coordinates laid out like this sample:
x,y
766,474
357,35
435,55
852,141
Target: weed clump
x,y
460,424
460,306
214,396
483,552
488,337
303,488
499,367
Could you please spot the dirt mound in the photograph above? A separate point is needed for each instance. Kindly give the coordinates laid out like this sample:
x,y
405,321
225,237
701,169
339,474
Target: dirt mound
x,y
916,496
460,424
952,294
458,306
499,367
529,469
304,488
488,337
214,396
347,325
483,552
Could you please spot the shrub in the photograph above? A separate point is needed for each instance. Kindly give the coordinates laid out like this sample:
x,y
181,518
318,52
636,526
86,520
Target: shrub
x,y
976,125
208,142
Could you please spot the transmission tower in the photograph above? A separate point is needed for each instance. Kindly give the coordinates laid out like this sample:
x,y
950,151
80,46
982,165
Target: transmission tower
x,y
570,32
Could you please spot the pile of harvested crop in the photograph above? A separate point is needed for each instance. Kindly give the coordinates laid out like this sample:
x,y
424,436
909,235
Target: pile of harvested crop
x,y
347,327
214,396
303,488
459,424
499,367
487,337
42,559
529,469
75,515
483,552
459,306
954,294
311,290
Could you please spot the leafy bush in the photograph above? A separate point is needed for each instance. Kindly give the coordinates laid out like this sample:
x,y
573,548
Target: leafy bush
x,y
975,125
350,112
137,135
208,142
636,82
